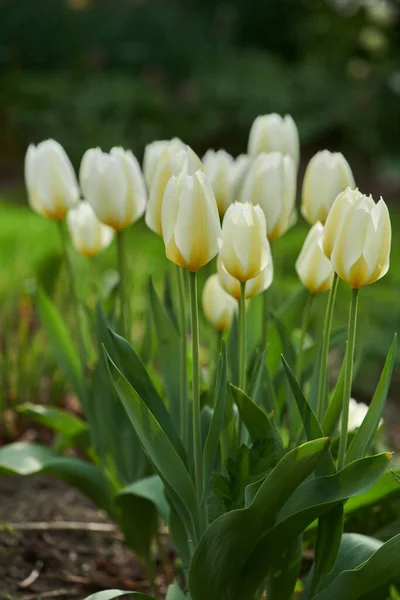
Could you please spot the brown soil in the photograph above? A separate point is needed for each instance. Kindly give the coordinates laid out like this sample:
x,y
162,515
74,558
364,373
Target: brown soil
x,y
35,565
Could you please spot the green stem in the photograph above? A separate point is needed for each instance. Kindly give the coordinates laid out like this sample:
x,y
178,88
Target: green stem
x,y
326,336
242,346
123,289
198,451
348,377
265,319
304,328
184,393
79,325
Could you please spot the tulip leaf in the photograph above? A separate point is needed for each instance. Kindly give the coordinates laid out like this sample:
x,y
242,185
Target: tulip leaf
x,y
362,439
329,536
379,570
229,540
61,342
157,445
332,414
31,459
168,353
112,594
284,572
150,488
174,592
309,501
217,421
59,420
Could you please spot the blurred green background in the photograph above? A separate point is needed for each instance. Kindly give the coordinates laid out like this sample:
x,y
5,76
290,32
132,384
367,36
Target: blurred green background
x,y
125,72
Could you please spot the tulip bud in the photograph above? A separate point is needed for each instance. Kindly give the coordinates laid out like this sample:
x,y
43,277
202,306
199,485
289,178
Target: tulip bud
x,y
327,174
218,167
176,158
152,154
50,180
271,183
241,165
113,184
218,306
245,249
273,133
313,267
190,221
358,238
89,235
253,286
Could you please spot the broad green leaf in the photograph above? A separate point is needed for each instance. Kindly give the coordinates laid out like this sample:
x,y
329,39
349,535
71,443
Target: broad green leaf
x,y
57,419
362,439
228,541
214,432
174,592
284,572
381,569
309,501
31,459
329,536
387,486
138,521
168,353
150,488
179,538
310,422
156,444
112,594
61,342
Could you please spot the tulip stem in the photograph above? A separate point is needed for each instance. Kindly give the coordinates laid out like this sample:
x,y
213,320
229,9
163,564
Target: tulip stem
x,y
197,445
79,325
348,378
123,290
184,394
326,336
242,347
304,328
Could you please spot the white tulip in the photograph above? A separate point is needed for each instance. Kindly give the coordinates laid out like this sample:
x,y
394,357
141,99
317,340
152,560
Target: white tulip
x,y
255,286
313,267
327,174
271,183
50,180
358,238
245,249
218,306
113,184
273,133
89,235
218,166
357,414
178,157
190,221
152,155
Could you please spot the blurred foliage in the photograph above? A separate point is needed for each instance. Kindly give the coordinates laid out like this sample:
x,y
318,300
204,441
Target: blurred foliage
x,y
128,71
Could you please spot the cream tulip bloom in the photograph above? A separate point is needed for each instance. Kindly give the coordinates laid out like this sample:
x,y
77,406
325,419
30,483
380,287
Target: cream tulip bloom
x,y
152,155
273,133
50,180
358,238
89,235
113,184
253,287
218,166
312,266
218,306
190,221
327,174
271,183
357,414
245,249
176,158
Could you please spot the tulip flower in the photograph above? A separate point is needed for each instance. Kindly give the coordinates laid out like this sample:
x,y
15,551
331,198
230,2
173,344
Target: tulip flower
x,y
176,158
253,287
245,249
50,180
357,414
152,155
89,235
218,166
271,183
327,174
218,306
113,184
358,238
273,133
313,267
190,221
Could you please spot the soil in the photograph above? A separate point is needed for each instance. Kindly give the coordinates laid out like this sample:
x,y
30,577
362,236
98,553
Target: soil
x,y
62,564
